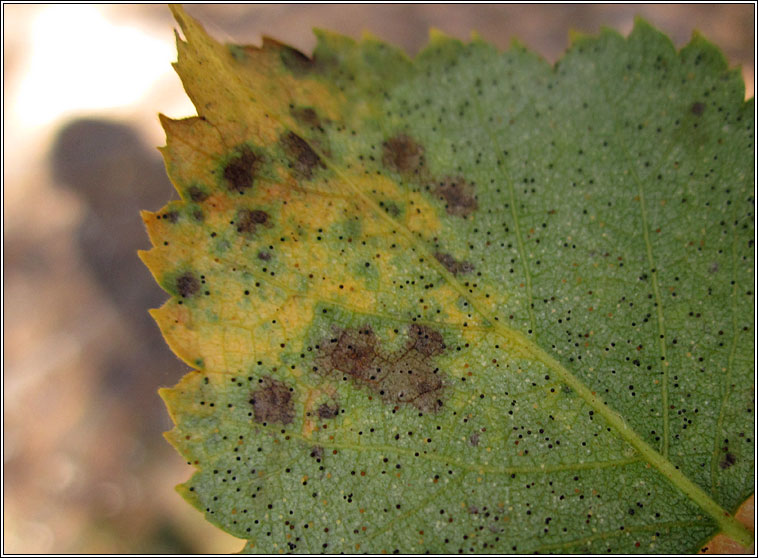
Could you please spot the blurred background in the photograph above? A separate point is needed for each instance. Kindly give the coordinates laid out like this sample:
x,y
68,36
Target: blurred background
x,y
85,467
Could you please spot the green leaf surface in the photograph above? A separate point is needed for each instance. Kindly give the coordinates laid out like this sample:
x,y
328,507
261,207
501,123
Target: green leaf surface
x,y
469,302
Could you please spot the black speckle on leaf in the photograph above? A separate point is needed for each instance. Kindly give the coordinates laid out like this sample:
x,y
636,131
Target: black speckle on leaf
x,y
458,195
187,285
240,171
272,402
302,158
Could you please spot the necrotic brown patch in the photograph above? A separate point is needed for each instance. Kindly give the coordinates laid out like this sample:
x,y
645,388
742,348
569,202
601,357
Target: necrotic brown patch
x,y
272,402
248,219
196,194
452,265
187,285
728,460
326,411
241,169
697,108
303,159
459,196
171,216
403,154
306,116
405,376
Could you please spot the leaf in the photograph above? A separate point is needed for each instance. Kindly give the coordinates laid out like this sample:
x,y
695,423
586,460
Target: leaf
x,y
463,303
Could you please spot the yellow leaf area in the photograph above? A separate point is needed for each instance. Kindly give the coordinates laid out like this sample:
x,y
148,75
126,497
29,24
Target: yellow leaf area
x,y
269,230
358,383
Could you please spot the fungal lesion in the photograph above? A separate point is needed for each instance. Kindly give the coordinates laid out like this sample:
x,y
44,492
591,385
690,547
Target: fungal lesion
x,y
453,265
406,376
247,220
242,168
403,154
303,160
272,402
459,196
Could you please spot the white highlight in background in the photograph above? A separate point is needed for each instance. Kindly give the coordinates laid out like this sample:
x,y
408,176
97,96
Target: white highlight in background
x,y
80,62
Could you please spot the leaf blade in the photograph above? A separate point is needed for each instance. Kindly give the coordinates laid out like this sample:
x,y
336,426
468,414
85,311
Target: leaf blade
x,y
448,209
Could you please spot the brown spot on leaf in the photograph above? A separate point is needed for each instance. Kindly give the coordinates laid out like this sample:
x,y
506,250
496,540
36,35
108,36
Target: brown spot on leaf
x,y
306,116
697,108
425,340
326,411
728,460
474,439
264,256
391,208
403,154
187,285
459,196
272,402
248,219
196,194
452,265
303,159
404,376
240,170
171,216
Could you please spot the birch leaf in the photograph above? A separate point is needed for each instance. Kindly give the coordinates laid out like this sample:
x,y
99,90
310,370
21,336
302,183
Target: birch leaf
x,y
467,302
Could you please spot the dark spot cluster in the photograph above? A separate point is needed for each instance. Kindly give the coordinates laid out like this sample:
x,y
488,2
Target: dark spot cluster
x,y
303,160
248,220
306,116
241,170
272,402
402,154
327,411
197,194
405,376
187,285
459,196
728,459
452,265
